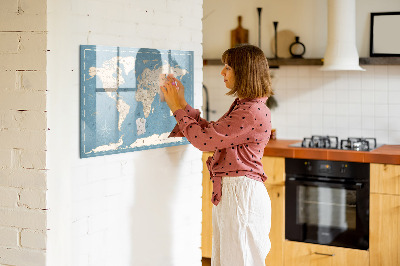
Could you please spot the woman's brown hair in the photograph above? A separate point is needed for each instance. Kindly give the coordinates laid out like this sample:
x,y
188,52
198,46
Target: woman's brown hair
x,y
250,66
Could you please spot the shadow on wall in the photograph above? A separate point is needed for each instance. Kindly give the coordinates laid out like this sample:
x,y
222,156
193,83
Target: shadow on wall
x,y
156,190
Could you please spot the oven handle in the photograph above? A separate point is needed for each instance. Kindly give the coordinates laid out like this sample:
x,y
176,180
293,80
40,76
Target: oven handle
x,y
357,185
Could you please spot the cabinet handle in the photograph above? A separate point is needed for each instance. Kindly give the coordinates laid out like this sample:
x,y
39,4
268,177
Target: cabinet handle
x,y
324,254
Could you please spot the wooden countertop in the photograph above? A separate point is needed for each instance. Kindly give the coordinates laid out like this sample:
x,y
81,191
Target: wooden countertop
x,y
389,154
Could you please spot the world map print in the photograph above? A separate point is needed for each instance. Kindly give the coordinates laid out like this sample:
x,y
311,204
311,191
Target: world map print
x,y
121,102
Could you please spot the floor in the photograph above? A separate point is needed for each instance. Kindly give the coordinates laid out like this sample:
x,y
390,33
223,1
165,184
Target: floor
x,y
206,261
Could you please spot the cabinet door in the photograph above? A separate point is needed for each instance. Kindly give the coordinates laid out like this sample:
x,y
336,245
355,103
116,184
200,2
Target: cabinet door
x,y
274,168
385,178
384,230
304,254
206,225
277,233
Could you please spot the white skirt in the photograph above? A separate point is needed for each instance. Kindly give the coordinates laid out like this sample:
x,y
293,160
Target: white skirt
x,y
241,223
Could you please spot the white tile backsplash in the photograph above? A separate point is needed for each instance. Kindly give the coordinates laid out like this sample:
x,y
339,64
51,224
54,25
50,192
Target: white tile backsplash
x,y
329,109
355,96
367,96
343,103
304,82
367,110
394,83
382,136
342,109
381,110
394,97
292,82
380,71
381,122
394,137
342,123
381,84
394,123
394,110
381,97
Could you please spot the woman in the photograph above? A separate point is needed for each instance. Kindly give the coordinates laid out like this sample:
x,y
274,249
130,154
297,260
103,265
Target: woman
x,y
242,211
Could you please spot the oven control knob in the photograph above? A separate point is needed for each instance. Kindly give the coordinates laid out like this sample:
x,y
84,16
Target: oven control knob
x,y
343,168
308,166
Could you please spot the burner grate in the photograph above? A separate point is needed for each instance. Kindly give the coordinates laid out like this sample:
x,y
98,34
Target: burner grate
x,y
327,142
332,142
358,144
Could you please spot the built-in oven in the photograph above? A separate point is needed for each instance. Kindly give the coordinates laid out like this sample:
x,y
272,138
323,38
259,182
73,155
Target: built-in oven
x,y
327,202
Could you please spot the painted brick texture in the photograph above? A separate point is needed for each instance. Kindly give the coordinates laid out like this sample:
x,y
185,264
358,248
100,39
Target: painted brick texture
x,y
139,208
23,125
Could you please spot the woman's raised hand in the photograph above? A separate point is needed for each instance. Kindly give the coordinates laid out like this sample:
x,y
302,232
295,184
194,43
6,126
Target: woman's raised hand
x,y
181,90
173,91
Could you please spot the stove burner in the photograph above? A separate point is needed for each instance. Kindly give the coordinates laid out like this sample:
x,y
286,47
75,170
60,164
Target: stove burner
x,y
328,142
358,144
332,142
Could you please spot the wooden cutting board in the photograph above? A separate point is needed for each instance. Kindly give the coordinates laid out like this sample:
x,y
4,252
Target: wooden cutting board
x,y
239,35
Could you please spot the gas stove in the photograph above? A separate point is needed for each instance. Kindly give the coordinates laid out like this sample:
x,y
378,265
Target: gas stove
x,y
332,142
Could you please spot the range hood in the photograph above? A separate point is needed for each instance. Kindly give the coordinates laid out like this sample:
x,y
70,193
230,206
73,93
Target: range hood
x,y
341,51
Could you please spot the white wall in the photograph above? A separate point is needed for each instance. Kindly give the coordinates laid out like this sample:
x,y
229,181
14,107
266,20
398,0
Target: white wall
x,y
306,19
23,133
138,208
311,102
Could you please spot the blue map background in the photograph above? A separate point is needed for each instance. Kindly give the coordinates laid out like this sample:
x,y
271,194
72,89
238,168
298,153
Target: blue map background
x,y
121,109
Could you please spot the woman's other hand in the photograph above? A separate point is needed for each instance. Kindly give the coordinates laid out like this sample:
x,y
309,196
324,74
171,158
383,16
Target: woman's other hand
x,y
173,97
181,90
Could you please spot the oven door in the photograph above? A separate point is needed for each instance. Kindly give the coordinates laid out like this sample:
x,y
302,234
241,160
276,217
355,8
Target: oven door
x,y
327,213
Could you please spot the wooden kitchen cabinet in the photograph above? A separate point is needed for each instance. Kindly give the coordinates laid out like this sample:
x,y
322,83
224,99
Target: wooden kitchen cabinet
x,y
384,236
206,225
305,254
274,168
277,233
385,178
385,215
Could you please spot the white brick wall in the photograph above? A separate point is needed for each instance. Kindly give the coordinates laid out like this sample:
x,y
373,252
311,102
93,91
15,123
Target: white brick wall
x,y
113,210
22,132
34,239
9,237
139,208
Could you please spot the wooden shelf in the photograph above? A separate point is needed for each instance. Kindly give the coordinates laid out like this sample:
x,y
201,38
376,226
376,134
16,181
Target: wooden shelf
x,y
380,61
274,63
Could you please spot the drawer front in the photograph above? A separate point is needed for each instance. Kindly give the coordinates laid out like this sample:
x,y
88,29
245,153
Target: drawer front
x,y
297,253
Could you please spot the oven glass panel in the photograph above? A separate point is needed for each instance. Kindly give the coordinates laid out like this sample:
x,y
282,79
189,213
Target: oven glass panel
x,y
326,207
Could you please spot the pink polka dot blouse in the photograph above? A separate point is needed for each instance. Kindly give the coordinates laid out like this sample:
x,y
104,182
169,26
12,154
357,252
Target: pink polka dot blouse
x,y
238,139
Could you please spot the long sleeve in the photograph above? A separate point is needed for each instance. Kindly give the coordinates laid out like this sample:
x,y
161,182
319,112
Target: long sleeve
x,y
193,113
231,130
